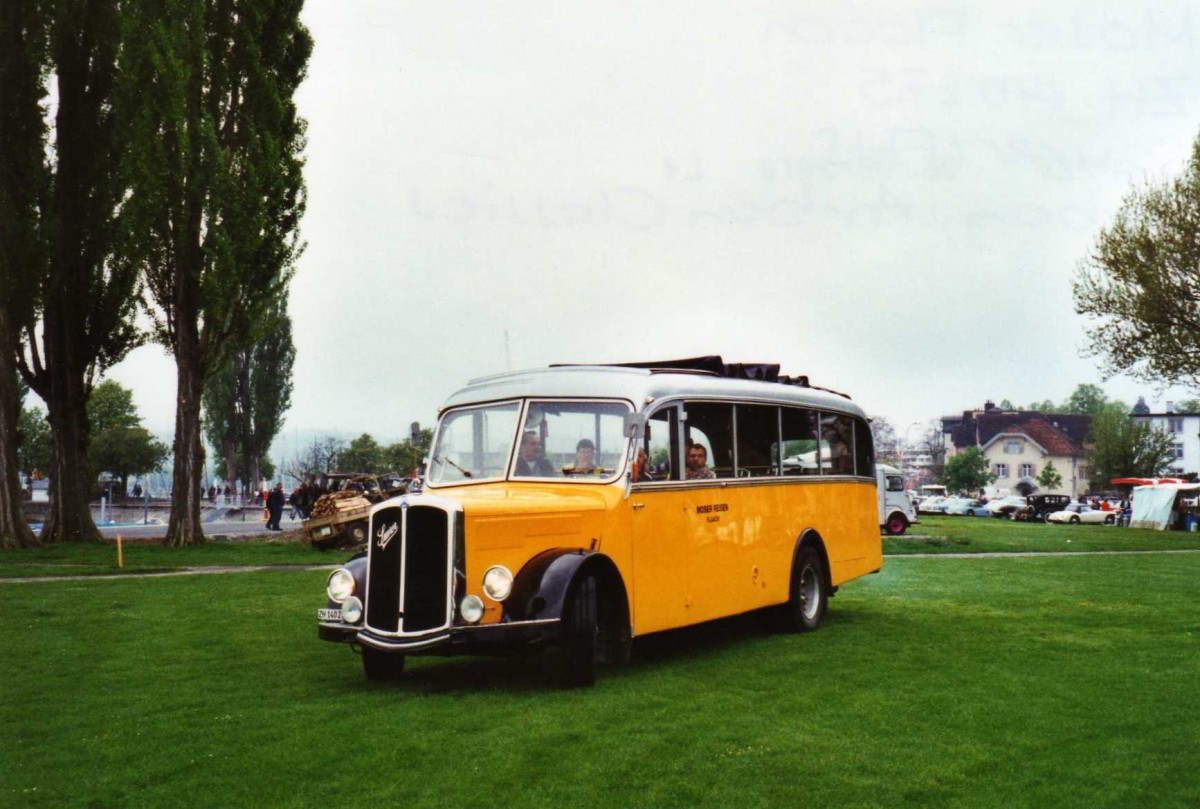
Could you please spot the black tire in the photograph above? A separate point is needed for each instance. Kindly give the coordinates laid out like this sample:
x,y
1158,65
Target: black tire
x,y
1074,521
896,525
808,598
380,666
1110,519
581,636
357,533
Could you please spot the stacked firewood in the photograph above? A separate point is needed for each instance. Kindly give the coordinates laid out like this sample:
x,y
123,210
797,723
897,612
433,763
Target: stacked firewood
x,y
336,502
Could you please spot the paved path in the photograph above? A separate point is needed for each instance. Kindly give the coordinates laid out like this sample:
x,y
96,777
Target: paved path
x,y
200,571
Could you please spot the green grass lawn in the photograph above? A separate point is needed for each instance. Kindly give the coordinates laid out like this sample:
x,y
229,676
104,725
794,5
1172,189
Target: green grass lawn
x,y
935,534
79,559
1037,681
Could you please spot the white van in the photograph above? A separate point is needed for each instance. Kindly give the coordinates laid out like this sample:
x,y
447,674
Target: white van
x,y
896,511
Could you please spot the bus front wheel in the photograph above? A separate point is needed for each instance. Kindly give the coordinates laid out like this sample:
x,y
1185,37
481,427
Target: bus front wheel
x,y
809,594
580,644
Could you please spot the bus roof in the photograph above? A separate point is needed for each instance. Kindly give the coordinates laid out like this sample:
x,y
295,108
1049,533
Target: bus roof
x,y
641,386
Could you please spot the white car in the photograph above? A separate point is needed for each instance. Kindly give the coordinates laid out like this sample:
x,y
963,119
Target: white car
x,y
932,505
1005,506
1079,512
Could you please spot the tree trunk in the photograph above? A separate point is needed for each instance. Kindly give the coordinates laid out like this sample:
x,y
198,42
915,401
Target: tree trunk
x,y
14,530
69,518
183,527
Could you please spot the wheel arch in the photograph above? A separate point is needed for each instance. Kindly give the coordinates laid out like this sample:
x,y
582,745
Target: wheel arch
x,y
543,585
809,538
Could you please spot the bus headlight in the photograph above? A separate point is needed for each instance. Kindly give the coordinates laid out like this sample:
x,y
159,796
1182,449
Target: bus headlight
x,y
352,610
340,585
497,583
471,609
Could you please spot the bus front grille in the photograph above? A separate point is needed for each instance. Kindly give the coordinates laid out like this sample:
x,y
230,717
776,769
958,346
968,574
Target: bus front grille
x,y
408,571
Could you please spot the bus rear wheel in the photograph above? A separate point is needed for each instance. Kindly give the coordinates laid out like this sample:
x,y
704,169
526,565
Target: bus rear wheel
x,y
809,594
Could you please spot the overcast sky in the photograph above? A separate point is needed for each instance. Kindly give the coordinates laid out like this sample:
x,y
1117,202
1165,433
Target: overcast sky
x,y
890,197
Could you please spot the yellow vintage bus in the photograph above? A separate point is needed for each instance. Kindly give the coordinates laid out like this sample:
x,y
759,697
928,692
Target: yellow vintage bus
x,y
577,507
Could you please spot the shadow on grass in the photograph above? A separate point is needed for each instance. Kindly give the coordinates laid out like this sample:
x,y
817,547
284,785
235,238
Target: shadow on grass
x,y
540,671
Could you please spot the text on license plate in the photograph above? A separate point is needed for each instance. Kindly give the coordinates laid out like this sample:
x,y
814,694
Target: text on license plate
x,y
329,615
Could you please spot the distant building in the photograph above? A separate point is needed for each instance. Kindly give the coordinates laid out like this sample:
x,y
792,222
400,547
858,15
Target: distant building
x,y
1184,429
1019,443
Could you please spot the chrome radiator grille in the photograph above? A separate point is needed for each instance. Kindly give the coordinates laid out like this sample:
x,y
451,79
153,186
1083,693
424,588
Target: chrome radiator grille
x,y
409,584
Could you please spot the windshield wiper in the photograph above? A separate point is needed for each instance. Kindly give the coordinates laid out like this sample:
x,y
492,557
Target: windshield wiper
x,y
444,459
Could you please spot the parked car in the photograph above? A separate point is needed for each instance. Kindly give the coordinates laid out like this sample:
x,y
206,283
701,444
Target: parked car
x,y
1041,506
965,507
1005,506
932,505
1077,513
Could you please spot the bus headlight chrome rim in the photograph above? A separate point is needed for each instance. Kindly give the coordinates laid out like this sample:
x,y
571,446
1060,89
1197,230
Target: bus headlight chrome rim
x,y
340,585
497,582
471,609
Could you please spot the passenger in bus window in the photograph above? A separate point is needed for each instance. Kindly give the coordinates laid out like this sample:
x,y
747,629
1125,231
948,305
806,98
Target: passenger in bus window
x,y
585,460
697,463
530,463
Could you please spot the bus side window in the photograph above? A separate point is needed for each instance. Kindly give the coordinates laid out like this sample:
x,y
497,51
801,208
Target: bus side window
x,y
660,457
864,451
799,442
710,424
837,433
757,440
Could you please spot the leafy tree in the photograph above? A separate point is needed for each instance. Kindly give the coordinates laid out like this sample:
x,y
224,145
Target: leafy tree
x,y
266,389
1138,287
1005,404
65,299
127,451
1049,478
1044,406
884,438
111,406
222,419
406,456
244,403
1086,400
217,190
968,471
362,455
1188,406
1122,447
120,445
35,447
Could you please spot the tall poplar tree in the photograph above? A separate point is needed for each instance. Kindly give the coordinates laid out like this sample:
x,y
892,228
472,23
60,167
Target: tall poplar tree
x,y
267,389
217,190
70,304
244,403
23,192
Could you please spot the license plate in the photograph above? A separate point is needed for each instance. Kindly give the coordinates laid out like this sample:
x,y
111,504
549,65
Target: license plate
x,y
329,615
326,531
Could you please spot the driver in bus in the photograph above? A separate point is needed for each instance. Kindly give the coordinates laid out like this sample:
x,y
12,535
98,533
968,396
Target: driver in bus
x,y
530,462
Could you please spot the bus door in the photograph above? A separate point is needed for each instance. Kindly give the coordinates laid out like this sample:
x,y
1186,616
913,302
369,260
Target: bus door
x,y
661,534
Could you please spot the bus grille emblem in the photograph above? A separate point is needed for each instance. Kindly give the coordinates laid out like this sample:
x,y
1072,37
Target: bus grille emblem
x,y
385,534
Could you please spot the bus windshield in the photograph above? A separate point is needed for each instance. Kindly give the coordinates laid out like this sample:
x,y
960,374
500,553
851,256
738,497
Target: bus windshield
x,y
580,441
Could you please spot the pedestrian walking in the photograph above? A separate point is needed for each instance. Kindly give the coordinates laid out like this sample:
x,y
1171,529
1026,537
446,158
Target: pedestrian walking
x,y
275,507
